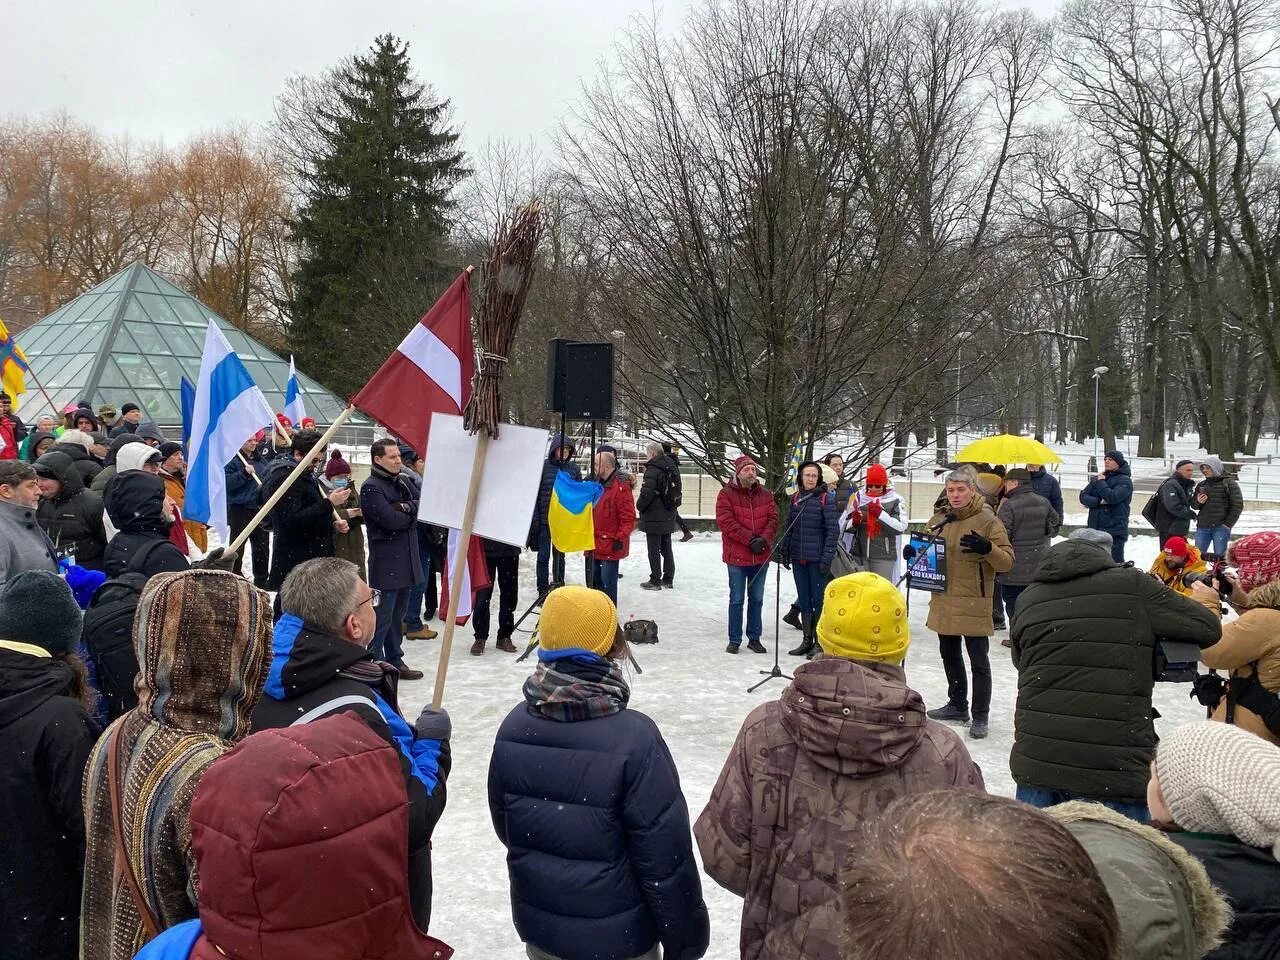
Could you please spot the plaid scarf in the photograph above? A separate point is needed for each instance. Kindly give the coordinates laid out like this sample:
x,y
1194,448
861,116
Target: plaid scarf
x,y
576,688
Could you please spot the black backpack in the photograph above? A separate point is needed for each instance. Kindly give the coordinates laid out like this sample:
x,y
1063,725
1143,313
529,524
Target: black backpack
x,y
108,633
669,490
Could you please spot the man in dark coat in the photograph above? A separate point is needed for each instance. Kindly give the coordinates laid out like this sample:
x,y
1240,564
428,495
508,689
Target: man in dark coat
x,y
130,417
75,444
135,505
656,507
503,561
1107,496
1219,504
70,514
1084,639
1046,485
321,665
559,457
244,478
1175,506
302,521
48,736
1031,523
389,499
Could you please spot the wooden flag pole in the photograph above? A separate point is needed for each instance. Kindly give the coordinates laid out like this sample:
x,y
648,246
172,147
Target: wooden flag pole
x,y
303,465
460,565
256,479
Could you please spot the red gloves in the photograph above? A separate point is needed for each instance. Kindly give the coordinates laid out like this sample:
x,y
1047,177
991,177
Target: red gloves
x,y
874,509
855,519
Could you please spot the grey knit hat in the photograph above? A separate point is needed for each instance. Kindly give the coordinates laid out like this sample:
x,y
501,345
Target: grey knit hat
x,y
1095,538
1218,778
37,607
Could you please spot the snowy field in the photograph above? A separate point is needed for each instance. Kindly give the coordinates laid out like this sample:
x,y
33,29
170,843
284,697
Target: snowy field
x,y
697,695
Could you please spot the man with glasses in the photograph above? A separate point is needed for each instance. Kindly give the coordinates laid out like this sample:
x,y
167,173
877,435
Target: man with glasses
x,y
321,665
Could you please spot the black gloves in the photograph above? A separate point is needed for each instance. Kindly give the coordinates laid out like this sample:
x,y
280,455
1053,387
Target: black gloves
x,y
825,569
219,559
617,545
433,724
783,559
757,545
975,543
909,553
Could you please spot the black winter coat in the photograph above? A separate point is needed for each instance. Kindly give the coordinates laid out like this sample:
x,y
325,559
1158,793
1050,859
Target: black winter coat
x,y
315,674
1083,641
47,739
85,464
1174,508
1046,484
597,837
550,468
1030,521
1108,502
135,504
302,521
661,475
1250,880
814,528
72,519
390,505
1225,503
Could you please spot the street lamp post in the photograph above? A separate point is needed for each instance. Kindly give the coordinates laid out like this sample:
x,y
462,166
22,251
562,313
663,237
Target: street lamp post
x,y
620,336
1097,381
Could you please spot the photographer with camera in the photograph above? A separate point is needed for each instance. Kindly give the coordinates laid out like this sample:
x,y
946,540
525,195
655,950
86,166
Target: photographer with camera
x,y
1177,564
1250,645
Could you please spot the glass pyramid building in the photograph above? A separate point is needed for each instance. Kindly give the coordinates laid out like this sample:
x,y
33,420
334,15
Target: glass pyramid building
x,y
132,338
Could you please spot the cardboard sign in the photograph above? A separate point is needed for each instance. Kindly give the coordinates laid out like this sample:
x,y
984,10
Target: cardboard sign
x,y
928,568
508,488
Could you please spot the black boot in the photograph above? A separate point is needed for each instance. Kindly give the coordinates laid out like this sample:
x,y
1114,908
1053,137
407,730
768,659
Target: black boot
x,y
807,644
793,618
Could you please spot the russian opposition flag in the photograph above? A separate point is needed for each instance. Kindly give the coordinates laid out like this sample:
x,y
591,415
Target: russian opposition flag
x,y
294,408
228,410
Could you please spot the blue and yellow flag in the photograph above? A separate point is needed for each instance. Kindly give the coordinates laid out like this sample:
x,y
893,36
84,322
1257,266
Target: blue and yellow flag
x,y
13,366
794,460
569,517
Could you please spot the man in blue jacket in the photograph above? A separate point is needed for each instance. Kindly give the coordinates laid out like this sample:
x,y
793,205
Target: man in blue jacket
x,y
389,500
1046,485
1107,496
244,478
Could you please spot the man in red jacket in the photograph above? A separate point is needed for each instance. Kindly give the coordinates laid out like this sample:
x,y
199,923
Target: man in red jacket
x,y
12,429
748,519
614,516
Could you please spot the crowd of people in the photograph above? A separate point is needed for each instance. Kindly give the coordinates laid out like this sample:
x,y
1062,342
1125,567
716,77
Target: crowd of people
x,y
177,798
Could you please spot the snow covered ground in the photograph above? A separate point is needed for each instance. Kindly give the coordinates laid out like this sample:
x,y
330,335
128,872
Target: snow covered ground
x,y
697,695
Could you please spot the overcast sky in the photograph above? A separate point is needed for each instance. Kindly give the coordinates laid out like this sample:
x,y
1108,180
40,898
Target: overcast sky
x,y
168,70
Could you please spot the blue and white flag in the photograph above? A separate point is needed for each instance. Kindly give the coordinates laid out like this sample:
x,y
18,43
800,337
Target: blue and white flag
x,y
293,408
229,409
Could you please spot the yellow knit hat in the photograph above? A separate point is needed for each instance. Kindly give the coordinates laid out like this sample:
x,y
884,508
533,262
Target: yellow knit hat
x,y
578,618
864,618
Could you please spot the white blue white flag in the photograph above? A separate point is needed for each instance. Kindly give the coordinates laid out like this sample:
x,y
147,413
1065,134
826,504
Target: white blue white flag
x,y
229,409
293,408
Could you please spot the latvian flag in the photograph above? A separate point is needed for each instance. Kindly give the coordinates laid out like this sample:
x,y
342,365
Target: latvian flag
x,y
431,372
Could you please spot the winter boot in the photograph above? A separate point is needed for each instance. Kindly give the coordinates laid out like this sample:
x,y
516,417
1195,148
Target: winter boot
x,y
505,645
978,730
793,618
422,633
686,536
667,585
807,644
408,673
477,648
755,646
651,585
731,648
950,713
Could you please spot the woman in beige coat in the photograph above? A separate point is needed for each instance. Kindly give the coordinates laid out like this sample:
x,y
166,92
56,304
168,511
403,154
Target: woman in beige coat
x,y
977,548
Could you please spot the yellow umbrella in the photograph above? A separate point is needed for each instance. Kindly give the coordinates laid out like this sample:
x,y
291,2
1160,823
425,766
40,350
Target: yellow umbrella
x,y
1005,449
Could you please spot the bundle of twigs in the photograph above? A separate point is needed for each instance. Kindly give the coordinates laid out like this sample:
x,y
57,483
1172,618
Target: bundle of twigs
x,y
507,275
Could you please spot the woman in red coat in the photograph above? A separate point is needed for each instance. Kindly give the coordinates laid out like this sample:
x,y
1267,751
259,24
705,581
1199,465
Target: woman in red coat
x,y
614,516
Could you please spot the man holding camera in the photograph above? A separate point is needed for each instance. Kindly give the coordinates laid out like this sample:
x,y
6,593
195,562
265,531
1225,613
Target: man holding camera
x,y
1084,642
1175,563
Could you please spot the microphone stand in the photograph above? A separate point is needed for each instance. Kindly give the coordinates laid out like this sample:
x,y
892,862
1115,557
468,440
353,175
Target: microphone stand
x,y
775,673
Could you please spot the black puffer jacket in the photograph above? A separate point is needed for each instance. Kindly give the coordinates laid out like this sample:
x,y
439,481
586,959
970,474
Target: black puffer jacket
x,y
661,476
1083,641
73,518
135,504
1250,880
1175,509
1225,503
88,467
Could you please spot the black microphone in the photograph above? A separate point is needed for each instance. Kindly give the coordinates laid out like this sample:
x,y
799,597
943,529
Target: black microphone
x,y
946,518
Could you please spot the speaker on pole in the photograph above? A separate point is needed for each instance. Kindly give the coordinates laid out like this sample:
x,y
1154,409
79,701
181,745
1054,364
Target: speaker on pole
x,y
588,385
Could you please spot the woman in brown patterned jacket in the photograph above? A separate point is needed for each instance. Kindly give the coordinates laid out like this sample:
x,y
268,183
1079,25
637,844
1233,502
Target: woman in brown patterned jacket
x,y
847,738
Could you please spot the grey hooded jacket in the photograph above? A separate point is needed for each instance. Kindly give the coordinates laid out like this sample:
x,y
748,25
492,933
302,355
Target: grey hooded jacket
x,y
23,545
1225,503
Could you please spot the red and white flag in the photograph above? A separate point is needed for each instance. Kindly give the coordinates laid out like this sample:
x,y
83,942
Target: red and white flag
x,y
431,372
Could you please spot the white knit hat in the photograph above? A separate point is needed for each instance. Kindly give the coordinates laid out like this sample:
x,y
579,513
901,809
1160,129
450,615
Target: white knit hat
x,y
1218,778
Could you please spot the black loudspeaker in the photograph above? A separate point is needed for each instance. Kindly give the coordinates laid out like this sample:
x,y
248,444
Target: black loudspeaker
x,y
556,368
588,384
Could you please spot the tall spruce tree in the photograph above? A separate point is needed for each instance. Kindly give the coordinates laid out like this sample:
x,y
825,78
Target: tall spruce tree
x,y
375,211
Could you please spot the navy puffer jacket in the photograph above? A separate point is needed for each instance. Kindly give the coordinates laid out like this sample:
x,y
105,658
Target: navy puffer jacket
x,y
1108,502
814,520
597,836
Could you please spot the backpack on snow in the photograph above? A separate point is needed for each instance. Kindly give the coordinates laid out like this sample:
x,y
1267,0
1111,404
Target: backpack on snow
x,y
640,631
108,633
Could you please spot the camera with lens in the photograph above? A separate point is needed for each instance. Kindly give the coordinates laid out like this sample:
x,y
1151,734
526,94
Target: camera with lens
x,y
1213,577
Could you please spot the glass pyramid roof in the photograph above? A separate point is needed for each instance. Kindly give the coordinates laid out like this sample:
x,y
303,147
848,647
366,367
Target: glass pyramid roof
x,y
132,338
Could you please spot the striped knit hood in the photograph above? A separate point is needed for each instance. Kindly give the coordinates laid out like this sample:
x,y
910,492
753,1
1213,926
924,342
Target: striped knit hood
x,y
203,644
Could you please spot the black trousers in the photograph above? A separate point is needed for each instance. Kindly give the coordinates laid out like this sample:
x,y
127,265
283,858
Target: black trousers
x,y
504,573
958,680
259,542
662,562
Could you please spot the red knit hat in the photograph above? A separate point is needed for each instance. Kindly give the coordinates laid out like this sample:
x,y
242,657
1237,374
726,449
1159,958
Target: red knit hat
x,y
743,462
1177,546
308,424
284,421
1258,558
337,465
877,476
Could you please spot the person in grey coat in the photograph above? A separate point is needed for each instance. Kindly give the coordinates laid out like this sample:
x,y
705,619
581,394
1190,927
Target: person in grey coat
x,y
1046,484
656,507
1221,503
23,545
1031,523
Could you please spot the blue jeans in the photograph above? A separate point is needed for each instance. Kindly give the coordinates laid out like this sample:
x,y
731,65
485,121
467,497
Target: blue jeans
x,y
549,556
1009,593
810,585
607,579
1039,797
1217,536
746,583
388,640
1117,548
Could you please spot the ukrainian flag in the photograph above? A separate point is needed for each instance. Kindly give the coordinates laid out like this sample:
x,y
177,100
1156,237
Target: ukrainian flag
x,y
569,517
13,366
